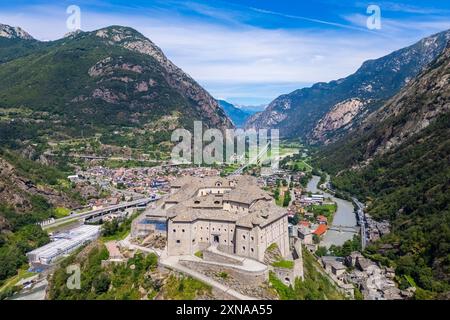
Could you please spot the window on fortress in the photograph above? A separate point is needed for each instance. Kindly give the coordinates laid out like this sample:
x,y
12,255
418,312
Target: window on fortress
x,y
243,236
174,230
182,230
252,238
251,249
225,241
201,238
178,241
243,248
193,240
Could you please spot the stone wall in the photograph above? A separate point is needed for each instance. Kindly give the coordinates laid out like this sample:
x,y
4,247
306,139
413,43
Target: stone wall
x,y
246,278
212,256
286,275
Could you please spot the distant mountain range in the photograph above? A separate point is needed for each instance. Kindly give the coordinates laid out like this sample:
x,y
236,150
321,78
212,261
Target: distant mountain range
x,y
238,115
106,81
326,111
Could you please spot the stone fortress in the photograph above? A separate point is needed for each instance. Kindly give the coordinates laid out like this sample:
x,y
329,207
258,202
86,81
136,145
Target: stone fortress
x,y
232,214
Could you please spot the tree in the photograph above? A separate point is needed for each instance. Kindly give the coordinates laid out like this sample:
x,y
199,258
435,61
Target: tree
x,y
321,251
277,194
287,199
101,283
110,228
316,238
295,219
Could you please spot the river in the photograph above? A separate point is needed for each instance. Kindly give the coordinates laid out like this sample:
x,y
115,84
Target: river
x,y
344,216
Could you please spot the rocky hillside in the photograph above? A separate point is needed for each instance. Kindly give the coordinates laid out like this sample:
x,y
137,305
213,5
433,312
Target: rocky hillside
x,y
105,81
29,191
14,33
322,112
340,117
398,163
413,109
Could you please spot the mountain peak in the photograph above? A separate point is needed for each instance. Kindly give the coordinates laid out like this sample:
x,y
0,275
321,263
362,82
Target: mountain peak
x,y
118,33
14,33
73,33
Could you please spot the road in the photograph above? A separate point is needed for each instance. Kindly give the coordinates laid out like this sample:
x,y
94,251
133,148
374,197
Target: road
x,y
92,213
92,157
362,222
37,292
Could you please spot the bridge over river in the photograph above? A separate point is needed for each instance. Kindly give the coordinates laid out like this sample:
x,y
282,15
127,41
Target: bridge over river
x,y
344,225
347,229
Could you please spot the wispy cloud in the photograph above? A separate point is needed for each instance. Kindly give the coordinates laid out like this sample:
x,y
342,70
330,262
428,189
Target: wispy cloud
x,y
232,58
309,19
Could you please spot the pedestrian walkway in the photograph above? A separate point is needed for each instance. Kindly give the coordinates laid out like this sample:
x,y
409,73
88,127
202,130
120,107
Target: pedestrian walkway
x,y
249,265
173,263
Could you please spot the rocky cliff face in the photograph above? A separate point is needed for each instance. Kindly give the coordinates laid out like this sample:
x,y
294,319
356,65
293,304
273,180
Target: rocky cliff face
x,y
14,32
418,105
412,110
16,190
340,117
175,77
297,114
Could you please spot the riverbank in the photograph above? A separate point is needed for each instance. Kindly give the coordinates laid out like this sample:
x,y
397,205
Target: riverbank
x,y
344,217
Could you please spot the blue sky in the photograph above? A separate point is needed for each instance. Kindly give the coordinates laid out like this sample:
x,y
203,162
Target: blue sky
x,y
248,51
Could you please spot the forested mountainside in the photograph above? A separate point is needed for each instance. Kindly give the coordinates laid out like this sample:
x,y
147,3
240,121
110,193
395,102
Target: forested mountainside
x,y
112,81
398,162
29,192
327,111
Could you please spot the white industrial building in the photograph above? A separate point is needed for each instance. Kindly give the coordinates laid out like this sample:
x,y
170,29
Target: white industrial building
x,y
63,244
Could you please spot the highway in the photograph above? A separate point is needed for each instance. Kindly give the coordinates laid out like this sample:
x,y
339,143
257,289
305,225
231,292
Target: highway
x,y
92,213
362,222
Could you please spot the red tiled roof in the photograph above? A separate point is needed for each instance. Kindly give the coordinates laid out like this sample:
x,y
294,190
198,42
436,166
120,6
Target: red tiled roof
x,y
321,229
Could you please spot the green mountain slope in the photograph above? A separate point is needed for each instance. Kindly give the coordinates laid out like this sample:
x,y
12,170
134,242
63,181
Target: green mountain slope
x,y
99,82
398,162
